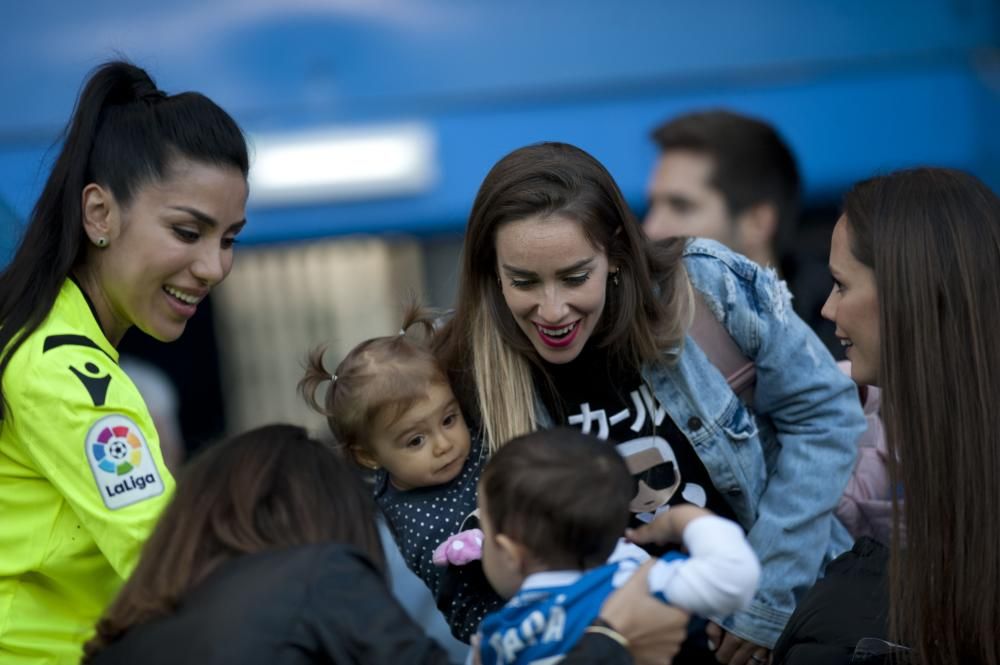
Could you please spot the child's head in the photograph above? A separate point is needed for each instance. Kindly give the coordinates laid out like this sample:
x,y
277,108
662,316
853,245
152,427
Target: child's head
x,y
390,405
551,500
258,491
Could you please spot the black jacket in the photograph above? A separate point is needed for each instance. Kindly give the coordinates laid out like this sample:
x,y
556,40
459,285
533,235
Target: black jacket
x,y
311,604
849,604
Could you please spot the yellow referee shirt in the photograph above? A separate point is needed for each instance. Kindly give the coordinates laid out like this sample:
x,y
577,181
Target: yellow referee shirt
x,y
82,482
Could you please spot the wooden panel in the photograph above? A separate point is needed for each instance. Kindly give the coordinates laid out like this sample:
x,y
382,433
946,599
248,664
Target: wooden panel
x,y
280,302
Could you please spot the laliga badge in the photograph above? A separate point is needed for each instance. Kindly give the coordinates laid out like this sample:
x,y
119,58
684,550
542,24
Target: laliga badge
x,y
121,461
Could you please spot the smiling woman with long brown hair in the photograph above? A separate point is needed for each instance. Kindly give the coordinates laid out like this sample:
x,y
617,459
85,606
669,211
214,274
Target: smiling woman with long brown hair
x,y
932,239
568,315
916,301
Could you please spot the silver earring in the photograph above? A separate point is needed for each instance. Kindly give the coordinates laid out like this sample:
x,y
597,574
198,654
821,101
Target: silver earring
x,y
102,241
614,276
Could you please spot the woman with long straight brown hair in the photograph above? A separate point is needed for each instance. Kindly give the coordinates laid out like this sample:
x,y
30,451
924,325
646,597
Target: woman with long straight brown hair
x,y
916,300
568,315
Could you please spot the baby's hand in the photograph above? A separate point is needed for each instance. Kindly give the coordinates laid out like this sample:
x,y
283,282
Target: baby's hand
x,y
460,549
668,527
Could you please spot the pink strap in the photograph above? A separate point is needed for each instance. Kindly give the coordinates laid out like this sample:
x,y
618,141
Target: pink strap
x,y
718,345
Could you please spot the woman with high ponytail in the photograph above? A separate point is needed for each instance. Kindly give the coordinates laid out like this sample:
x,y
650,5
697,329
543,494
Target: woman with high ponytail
x,y
134,226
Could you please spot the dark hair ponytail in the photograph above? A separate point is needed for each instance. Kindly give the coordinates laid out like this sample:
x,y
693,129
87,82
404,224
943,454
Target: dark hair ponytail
x,y
123,134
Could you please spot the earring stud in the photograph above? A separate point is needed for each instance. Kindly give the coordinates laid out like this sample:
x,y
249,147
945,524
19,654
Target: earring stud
x,y
102,241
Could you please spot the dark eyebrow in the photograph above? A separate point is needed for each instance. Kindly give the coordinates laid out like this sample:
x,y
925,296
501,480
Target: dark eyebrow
x,y
207,220
562,271
678,200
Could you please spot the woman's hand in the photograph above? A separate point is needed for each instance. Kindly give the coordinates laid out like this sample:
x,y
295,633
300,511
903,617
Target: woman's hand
x,y
654,630
732,650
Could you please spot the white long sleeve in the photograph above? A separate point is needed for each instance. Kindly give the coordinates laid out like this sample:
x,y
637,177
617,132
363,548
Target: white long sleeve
x,y
718,578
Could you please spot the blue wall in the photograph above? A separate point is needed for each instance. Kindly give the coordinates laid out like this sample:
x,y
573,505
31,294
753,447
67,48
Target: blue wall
x,y
855,86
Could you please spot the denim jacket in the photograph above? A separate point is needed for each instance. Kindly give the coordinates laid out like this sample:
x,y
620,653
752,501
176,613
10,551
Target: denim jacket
x,y
782,464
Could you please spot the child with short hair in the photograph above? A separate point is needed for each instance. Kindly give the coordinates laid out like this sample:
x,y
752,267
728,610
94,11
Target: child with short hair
x,y
553,505
391,408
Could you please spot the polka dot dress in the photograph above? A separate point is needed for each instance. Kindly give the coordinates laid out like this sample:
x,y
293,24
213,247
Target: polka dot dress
x,y
420,520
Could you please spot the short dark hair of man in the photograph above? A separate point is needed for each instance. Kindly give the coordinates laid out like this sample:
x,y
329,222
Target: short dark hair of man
x,y
751,163
562,494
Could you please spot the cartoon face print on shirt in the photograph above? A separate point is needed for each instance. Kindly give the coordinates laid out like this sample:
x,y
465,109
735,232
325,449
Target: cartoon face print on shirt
x,y
603,397
656,474
651,460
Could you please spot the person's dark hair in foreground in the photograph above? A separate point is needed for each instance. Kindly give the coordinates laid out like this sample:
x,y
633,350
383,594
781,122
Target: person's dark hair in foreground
x,y
272,488
269,553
